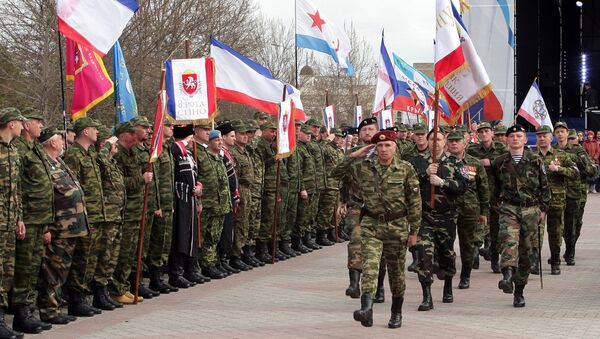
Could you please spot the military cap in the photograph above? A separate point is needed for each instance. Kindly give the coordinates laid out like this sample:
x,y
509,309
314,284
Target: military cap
x,y
409,127
83,123
70,126
124,127
402,127
323,129
182,131
204,124
48,133
337,132
298,122
140,121
32,113
345,126
168,122
239,126
432,130
461,128
215,133
384,135
561,124
353,131
103,133
500,130
312,122
445,129
393,128
261,115
225,128
305,129
484,124
9,114
252,125
366,122
543,129
456,135
514,129
419,129
268,124
572,134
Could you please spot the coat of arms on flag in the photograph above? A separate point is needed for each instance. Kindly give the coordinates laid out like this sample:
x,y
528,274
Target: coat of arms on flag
x,y
191,91
286,132
329,117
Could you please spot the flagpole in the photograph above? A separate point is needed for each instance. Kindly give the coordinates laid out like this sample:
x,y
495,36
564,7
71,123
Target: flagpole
x,y
62,88
277,186
435,133
296,41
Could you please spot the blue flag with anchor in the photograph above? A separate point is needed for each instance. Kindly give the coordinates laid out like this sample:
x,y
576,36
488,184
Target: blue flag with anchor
x,y
124,95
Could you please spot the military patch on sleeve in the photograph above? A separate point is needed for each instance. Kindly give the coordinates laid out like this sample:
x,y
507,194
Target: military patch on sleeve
x,y
464,172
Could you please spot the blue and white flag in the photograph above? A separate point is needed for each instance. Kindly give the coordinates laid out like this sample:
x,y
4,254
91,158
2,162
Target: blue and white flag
x,y
329,117
386,88
125,97
314,31
358,117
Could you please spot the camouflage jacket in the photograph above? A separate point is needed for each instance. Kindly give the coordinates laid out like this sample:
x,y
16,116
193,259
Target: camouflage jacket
x,y
455,182
266,151
293,171
406,149
307,168
332,156
476,200
113,185
36,183
349,189
10,195
258,167
165,174
577,187
244,166
83,164
524,183
71,219
385,190
556,180
216,199
316,150
142,154
479,151
134,183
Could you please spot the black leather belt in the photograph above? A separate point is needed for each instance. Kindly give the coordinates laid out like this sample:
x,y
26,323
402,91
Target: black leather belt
x,y
522,204
385,217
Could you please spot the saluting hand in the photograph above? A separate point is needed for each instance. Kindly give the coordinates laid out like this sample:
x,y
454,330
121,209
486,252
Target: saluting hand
x,y
362,152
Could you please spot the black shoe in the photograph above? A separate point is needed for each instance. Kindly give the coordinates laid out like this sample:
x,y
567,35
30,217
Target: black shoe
x,y
353,291
465,278
555,264
24,321
535,263
343,235
156,282
7,332
252,256
60,319
222,269
227,267
106,297
506,284
247,259
569,255
519,300
99,300
77,305
179,281
310,243
262,252
212,272
298,246
237,263
144,291
331,236
280,255
322,239
475,260
447,297
284,246
415,260
396,316
365,314
495,263
95,310
427,303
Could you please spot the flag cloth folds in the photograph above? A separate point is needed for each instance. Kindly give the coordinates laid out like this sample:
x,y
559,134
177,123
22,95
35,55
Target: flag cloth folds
x,y
534,108
358,117
159,121
242,80
91,83
95,24
459,73
124,95
316,32
387,84
385,119
286,130
329,117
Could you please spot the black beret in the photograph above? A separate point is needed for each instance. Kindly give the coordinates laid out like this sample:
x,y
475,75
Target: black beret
x,y
182,131
225,128
367,121
514,129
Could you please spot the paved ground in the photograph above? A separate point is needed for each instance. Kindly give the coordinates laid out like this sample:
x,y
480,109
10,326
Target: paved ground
x,y
304,298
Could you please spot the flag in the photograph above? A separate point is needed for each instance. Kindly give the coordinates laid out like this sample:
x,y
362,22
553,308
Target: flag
x,y
316,32
534,108
95,24
329,117
242,80
357,116
125,97
159,121
385,119
190,85
413,86
459,73
387,84
91,83
286,130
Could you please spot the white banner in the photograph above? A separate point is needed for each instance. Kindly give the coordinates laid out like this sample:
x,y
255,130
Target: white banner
x,y
329,118
190,89
283,130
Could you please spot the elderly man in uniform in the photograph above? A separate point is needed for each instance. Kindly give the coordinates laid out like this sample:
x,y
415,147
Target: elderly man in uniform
x,y
523,191
391,215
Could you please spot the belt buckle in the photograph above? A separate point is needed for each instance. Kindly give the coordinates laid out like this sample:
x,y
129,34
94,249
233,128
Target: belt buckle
x,y
381,218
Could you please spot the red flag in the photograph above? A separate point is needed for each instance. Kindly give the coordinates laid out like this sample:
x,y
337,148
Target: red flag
x,y
159,121
91,83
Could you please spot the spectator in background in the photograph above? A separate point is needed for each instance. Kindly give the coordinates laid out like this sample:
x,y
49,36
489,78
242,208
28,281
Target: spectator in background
x,y
592,148
590,96
580,137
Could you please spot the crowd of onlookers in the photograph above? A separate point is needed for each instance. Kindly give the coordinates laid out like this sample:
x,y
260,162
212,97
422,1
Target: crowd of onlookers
x,y
589,140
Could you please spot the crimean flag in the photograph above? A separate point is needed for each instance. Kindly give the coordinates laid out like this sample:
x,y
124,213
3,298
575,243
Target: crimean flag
x,y
534,108
286,129
159,121
91,82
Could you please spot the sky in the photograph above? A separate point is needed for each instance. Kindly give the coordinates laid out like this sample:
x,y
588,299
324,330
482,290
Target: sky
x,y
409,24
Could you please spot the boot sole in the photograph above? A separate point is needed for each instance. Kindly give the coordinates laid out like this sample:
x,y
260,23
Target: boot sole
x,y
425,308
505,287
353,295
519,305
365,322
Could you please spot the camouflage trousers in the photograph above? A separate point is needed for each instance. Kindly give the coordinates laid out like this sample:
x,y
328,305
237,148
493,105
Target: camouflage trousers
x,y
436,243
387,240
28,258
7,265
109,246
517,224
85,259
212,226
160,240
291,210
571,216
489,231
328,202
354,245
316,209
554,221
56,264
304,213
119,284
267,215
466,227
148,229
254,219
283,227
242,222
579,219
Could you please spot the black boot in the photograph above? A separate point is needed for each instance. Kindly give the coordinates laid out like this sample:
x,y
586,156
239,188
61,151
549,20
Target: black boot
x,y
322,238
465,278
212,272
5,331
495,262
284,246
77,305
180,282
342,235
298,246
310,243
380,294
25,322
506,284
249,259
535,262
60,319
555,264
331,236
262,252
107,297
365,314
237,263
475,260
485,250
396,317
225,264
447,296
569,255
156,282
252,255
415,260
427,303
519,300
99,300
353,291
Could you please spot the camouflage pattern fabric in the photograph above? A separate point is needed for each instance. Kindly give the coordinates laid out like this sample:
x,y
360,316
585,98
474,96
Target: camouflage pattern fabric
x,y
212,226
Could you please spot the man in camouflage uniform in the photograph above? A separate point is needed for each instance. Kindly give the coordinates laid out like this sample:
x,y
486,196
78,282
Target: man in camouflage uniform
x,y
438,226
256,195
524,195
405,145
291,207
38,213
70,223
11,212
486,150
332,156
302,240
473,206
391,215
500,134
559,167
